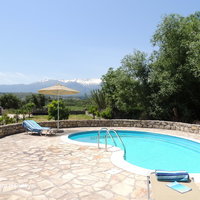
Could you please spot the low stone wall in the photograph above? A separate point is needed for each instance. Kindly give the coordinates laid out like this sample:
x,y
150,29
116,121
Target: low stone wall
x,y
11,129
192,128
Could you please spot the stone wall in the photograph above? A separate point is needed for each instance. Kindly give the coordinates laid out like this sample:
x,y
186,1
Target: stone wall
x,y
10,129
192,128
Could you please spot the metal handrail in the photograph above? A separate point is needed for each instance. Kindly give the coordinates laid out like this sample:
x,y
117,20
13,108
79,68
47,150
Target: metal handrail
x,y
124,147
111,138
108,133
98,138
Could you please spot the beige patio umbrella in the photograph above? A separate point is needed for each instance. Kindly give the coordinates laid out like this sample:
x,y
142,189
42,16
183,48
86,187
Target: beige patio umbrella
x,y
58,90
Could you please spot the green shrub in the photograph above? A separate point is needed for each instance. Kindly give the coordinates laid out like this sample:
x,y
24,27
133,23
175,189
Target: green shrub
x,y
29,108
93,110
53,110
106,113
5,119
1,120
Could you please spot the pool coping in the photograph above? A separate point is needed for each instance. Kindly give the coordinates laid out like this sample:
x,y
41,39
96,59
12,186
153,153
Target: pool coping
x,y
117,157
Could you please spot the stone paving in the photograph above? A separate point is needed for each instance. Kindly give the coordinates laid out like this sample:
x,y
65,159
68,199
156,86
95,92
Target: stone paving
x,y
41,168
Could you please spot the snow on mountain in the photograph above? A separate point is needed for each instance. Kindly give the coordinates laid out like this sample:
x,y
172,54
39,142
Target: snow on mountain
x,y
84,81
84,86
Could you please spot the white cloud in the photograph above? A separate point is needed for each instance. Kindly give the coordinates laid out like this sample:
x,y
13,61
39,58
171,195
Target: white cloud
x,y
14,78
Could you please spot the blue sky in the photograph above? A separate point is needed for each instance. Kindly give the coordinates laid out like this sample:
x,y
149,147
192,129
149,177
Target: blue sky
x,y
69,39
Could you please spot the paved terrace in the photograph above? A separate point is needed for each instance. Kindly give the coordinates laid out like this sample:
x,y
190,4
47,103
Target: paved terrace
x,y
40,168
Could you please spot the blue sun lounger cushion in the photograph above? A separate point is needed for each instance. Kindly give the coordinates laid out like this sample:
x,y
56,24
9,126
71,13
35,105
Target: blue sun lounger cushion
x,y
33,126
181,176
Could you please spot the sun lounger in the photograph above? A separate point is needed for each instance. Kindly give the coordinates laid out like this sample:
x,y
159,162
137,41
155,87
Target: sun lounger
x,y
160,190
34,127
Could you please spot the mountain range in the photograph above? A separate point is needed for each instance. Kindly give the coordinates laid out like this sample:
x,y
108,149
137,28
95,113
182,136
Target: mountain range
x,y
83,86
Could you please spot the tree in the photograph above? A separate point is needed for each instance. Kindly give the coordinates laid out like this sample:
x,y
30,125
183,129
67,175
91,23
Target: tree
x,y
53,110
29,108
165,85
39,100
22,111
127,88
175,74
17,113
98,98
8,101
137,68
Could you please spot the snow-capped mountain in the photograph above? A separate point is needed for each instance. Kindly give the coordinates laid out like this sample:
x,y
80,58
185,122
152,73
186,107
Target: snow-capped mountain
x,y
84,86
84,82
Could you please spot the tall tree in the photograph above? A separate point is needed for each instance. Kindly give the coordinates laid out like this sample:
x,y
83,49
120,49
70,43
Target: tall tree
x,y
165,86
175,74
126,87
39,100
10,101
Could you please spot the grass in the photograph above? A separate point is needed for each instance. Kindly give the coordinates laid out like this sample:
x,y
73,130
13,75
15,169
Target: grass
x,y
76,108
40,118
79,117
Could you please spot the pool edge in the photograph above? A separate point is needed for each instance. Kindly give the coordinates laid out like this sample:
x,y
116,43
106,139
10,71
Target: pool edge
x,y
117,157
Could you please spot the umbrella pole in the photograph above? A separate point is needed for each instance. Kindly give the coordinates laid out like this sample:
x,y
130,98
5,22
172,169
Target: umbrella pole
x,y
58,115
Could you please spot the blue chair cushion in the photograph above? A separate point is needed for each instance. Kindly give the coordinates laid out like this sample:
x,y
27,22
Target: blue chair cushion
x,y
33,126
181,176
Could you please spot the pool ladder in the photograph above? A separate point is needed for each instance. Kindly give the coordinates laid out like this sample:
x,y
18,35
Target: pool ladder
x,y
108,133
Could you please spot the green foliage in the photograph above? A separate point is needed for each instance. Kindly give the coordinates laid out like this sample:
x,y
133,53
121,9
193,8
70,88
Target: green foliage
x,y
127,87
5,119
175,75
53,110
93,110
17,113
39,100
29,108
106,113
22,111
97,102
76,104
165,85
8,101
98,99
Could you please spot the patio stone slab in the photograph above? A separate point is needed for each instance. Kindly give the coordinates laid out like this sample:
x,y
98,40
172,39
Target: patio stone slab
x,y
41,168
45,184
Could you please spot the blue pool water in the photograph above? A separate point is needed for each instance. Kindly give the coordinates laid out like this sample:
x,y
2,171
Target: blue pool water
x,y
152,151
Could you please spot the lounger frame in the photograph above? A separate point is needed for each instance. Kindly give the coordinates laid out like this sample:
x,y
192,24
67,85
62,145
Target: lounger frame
x,y
33,127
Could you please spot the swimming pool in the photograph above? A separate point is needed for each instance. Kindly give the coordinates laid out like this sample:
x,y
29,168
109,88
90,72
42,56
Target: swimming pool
x,y
151,150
